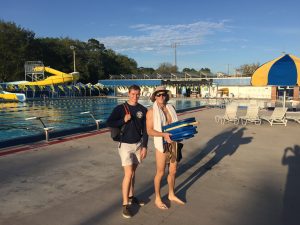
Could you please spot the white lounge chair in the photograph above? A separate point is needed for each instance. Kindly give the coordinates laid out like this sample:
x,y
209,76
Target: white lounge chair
x,y
277,117
293,116
251,115
230,114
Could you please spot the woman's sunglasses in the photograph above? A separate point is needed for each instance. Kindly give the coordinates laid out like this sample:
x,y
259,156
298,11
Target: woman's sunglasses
x,y
161,94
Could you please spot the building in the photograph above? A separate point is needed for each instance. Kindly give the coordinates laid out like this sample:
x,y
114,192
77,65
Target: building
x,y
185,84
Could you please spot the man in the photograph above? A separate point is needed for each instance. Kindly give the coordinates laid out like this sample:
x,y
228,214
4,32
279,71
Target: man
x,y
159,115
132,144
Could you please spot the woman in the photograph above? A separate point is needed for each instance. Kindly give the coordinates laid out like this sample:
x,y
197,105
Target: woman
x,y
159,115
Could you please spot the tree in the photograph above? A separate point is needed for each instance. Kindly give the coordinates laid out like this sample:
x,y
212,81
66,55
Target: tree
x,y
205,72
95,66
188,70
15,43
95,45
109,60
247,69
143,70
118,64
166,68
93,60
126,65
56,53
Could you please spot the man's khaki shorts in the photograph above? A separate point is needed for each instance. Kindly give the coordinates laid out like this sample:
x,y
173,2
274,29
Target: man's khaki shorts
x,y
130,153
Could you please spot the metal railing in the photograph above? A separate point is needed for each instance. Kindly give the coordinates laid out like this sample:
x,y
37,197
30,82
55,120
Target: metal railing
x,y
46,129
96,121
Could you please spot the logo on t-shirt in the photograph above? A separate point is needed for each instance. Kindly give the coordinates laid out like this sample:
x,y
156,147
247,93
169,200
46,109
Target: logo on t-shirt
x,y
139,114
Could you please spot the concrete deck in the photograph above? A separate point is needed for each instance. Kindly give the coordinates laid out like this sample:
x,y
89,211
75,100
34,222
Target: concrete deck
x,y
229,175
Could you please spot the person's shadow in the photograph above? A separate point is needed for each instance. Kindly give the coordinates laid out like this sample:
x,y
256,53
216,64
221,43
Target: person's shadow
x,y
291,199
225,143
225,148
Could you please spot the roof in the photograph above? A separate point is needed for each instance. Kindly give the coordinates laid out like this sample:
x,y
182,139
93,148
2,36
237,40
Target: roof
x,y
143,82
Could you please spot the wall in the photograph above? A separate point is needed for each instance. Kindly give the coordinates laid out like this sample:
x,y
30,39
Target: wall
x,y
249,92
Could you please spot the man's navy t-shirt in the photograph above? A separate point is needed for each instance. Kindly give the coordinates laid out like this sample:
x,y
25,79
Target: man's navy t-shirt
x,y
135,128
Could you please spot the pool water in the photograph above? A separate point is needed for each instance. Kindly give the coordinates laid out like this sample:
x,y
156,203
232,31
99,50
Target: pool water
x,y
62,114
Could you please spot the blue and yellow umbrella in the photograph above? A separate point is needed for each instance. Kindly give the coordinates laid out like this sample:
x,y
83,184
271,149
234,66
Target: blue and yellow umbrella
x,y
282,71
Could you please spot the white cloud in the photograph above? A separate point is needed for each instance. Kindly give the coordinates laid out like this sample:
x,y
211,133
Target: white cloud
x,y
158,37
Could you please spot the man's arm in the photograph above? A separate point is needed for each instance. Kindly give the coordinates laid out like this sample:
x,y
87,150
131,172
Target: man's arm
x,y
144,131
116,118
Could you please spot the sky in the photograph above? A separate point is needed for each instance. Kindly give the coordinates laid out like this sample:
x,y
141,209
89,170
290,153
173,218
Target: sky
x,y
220,35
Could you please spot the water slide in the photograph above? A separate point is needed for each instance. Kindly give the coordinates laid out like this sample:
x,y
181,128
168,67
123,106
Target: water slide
x,y
57,78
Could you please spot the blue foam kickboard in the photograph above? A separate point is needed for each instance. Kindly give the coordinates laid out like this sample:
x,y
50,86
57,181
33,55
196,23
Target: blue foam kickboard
x,y
189,128
182,136
179,122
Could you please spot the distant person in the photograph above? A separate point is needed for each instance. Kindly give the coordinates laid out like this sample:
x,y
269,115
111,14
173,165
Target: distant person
x,y
132,144
162,114
183,91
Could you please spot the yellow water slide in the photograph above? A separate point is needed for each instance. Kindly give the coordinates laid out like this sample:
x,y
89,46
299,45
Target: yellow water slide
x,y
58,78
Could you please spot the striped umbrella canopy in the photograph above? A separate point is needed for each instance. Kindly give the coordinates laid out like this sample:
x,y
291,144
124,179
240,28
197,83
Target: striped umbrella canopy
x,y
282,71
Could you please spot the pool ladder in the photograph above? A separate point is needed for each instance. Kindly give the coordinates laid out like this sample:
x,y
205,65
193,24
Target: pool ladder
x,y
46,129
96,121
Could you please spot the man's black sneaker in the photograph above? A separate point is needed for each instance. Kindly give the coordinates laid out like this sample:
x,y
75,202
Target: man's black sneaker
x,y
126,212
134,200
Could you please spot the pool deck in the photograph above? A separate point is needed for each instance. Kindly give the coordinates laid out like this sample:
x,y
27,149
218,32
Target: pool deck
x,y
229,175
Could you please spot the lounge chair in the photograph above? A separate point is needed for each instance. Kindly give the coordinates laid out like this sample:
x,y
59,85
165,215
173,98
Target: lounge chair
x,y
277,117
251,115
293,116
230,114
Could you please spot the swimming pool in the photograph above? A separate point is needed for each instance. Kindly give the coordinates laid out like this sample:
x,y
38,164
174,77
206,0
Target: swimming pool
x,y
63,114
